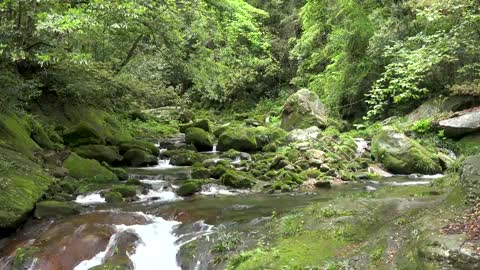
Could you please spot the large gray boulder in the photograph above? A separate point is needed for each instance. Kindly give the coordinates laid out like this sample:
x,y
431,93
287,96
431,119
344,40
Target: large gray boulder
x,y
470,178
436,106
462,124
303,110
402,155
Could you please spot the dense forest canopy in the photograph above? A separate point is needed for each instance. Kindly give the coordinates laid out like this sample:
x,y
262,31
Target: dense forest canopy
x,y
360,56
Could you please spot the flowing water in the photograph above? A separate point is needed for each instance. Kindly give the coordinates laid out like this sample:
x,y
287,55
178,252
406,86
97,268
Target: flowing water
x,y
151,233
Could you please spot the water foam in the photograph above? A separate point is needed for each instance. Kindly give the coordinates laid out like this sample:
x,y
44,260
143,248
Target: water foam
x,y
91,198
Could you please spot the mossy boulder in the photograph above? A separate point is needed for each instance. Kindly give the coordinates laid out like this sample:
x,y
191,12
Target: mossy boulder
x,y
237,179
40,136
202,140
240,139
470,178
48,209
83,134
470,144
102,153
201,173
265,136
15,134
203,124
402,155
127,191
303,110
22,184
183,157
140,145
219,130
88,169
104,125
137,157
218,171
121,173
189,188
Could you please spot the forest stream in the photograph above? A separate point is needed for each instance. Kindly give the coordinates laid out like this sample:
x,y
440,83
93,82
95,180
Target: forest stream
x,y
155,231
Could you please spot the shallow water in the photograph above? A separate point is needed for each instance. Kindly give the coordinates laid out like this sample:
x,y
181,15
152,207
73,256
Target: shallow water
x,y
158,224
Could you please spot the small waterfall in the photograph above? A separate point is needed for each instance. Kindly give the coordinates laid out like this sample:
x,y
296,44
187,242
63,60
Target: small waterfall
x,y
91,198
157,246
214,150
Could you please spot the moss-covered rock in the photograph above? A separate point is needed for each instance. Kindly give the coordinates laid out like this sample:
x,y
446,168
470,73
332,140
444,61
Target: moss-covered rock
x,y
218,171
82,134
470,144
48,209
137,157
88,169
22,184
102,153
470,178
201,173
303,110
189,188
402,155
105,125
140,145
201,123
40,136
183,157
265,136
127,191
240,139
202,140
121,173
237,179
219,130
15,134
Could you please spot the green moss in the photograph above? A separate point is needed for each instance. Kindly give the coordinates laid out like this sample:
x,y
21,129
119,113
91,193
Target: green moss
x,y
113,197
140,145
265,136
189,188
402,155
15,134
470,144
184,157
88,169
121,173
101,153
81,134
201,173
203,124
237,179
47,209
23,183
137,157
104,124
40,136
240,139
24,256
127,191
202,140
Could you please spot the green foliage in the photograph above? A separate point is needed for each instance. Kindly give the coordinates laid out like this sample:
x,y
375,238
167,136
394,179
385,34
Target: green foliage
x,y
438,53
226,241
422,126
332,50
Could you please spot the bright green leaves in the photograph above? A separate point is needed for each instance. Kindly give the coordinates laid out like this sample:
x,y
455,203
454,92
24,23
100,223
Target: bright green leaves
x,y
439,54
332,50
